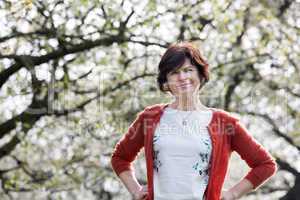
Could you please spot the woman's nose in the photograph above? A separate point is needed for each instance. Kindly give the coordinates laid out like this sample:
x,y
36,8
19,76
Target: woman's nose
x,y
182,75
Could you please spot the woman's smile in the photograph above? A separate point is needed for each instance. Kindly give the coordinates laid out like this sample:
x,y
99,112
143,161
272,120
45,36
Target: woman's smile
x,y
184,85
184,79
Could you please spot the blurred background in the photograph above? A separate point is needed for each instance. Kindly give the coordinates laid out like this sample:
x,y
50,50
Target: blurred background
x,y
74,74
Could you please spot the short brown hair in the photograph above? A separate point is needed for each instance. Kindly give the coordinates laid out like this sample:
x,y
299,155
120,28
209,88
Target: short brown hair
x,y
174,58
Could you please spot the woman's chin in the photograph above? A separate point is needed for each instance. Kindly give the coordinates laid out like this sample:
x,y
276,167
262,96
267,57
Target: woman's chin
x,y
185,92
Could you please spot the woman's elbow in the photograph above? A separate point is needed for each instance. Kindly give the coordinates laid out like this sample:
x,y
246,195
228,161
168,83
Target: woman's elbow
x,y
274,167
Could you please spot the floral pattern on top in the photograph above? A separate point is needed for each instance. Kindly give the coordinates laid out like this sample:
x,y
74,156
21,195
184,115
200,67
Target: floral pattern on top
x,y
156,162
203,161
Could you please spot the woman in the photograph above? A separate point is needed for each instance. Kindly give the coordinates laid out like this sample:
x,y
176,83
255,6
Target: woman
x,y
188,145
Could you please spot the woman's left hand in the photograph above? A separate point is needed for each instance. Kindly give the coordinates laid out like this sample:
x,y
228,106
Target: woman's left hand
x,y
228,195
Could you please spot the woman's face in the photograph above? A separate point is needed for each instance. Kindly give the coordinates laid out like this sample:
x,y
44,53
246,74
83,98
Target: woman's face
x,y
184,81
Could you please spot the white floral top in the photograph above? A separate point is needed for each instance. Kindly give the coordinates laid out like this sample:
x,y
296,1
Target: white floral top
x,y
181,155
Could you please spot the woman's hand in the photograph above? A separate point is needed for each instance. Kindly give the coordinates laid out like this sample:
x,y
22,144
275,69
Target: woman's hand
x,y
228,195
141,194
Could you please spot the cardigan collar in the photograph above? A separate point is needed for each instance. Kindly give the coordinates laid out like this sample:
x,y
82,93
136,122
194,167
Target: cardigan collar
x,y
164,105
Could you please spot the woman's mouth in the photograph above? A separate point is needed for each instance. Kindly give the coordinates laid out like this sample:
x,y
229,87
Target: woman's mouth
x,y
185,85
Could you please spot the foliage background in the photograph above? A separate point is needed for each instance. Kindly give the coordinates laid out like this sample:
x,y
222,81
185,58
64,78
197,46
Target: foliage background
x,y
73,75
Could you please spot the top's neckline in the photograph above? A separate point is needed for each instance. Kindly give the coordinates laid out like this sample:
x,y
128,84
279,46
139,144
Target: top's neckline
x,y
214,113
187,111
167,105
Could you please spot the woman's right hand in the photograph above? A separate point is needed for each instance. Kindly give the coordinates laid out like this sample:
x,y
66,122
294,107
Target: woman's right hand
x,y
141,194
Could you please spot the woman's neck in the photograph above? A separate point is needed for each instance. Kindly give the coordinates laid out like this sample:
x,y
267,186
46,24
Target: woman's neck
x,y
188,104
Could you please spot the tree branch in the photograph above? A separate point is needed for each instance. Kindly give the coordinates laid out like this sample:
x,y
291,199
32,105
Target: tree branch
x,y
10,146
287,167
284,7
105,92
275,128
43,32
31,61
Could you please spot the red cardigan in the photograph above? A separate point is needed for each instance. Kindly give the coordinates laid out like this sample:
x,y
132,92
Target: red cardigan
x,y
227,135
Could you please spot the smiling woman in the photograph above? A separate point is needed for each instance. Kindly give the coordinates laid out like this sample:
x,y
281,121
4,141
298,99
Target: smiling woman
x,y
184,79
188,145
183,72
182,56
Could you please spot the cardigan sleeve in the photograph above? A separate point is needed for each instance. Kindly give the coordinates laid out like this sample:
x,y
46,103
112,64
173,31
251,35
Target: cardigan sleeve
x,y
256,156
128,146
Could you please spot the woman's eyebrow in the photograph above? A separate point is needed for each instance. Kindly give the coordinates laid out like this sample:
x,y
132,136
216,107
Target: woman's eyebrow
x,y
188,66
182,67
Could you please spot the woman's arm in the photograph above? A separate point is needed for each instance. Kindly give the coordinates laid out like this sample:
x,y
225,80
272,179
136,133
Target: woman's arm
x,y
128,146
240,189
135,189
125,153
256,156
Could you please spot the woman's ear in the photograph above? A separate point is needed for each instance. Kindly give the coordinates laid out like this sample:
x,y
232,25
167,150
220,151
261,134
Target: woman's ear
x,y
166,87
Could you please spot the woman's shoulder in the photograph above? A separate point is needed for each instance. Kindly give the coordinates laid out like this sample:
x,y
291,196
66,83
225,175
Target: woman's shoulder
x,y
154,109
225,114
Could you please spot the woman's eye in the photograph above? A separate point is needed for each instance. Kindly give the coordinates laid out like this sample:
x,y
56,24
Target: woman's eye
x,y
188,70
